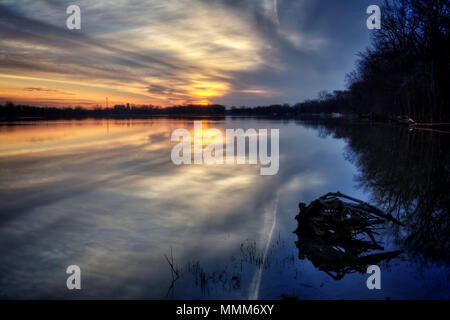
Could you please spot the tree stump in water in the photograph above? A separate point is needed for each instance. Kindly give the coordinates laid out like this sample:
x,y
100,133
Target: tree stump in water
x,y
334,234
330,216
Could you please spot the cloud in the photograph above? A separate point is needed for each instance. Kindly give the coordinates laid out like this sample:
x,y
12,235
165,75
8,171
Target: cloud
x,y
169,51
48,90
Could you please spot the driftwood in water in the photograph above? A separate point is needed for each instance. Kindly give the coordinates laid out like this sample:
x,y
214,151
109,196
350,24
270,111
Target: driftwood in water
x,y
445,127
338,236
329,215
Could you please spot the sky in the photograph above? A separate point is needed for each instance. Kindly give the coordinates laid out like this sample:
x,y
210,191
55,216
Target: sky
x,y
171,52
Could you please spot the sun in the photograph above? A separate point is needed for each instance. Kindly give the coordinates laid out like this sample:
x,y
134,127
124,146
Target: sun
x,y
201,102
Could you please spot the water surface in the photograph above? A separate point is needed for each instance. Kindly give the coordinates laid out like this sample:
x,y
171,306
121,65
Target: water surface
x,y
104,195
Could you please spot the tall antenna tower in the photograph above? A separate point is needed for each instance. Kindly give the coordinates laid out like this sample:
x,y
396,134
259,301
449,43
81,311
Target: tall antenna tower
x,y
106,102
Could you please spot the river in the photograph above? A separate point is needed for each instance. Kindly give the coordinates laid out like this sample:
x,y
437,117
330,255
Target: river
x,y
105,195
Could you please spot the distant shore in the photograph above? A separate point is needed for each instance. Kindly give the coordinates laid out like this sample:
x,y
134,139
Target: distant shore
x,y
10,112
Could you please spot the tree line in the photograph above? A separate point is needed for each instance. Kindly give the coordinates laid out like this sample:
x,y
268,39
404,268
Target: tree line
x,y
10,111
405,71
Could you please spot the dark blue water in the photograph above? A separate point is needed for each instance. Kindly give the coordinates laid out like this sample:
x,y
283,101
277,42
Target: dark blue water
x,y
104,195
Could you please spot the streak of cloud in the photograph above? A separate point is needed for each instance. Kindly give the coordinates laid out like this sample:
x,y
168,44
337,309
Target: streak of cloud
x,y
177,51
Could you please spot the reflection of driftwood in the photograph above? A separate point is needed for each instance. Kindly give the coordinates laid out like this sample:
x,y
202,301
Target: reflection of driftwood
x,y
340,258
334,234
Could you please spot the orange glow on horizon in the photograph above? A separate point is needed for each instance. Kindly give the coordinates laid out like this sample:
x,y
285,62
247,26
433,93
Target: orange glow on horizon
x,y
56,93
201,103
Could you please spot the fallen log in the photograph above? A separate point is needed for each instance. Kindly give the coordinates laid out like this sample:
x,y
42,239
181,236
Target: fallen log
x,y
330,215
339,237
363,206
